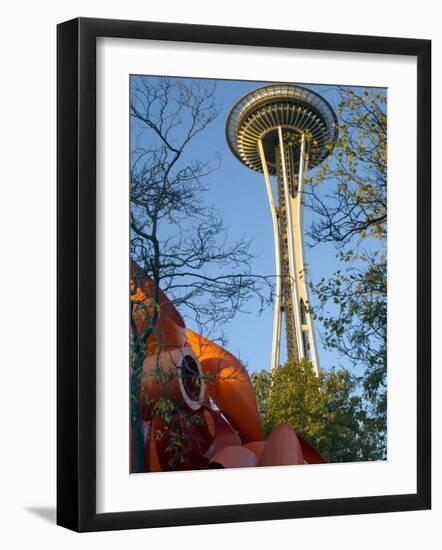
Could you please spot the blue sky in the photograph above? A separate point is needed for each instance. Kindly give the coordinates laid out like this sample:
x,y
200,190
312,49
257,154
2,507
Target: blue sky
x,y
240,195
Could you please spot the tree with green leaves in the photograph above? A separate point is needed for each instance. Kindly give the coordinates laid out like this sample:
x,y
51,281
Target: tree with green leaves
x,y
323,409
348,196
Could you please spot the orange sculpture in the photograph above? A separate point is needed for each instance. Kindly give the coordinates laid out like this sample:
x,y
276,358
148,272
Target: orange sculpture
x,y
215,422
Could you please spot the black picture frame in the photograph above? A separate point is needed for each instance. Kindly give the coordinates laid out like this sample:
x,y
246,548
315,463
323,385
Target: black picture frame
x,y
76,273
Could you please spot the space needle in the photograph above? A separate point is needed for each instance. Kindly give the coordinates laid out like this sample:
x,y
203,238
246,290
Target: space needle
x,y
281,130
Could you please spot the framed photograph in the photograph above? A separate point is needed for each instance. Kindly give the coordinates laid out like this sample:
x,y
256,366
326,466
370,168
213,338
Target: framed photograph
x,y
243,274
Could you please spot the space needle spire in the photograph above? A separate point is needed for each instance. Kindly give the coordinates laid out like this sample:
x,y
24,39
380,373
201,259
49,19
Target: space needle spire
x,y
280,130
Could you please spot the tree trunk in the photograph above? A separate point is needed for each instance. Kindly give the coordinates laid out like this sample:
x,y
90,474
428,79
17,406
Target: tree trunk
x,y
136,418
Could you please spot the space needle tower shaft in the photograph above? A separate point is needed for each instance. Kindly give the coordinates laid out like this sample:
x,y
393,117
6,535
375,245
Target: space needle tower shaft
x,y
280,130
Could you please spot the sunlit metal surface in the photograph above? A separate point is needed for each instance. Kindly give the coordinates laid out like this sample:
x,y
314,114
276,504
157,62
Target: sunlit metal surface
x,y
281,130
221,427
258,115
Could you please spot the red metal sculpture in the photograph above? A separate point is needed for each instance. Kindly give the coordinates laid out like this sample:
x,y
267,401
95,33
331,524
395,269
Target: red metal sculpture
x,y
216,422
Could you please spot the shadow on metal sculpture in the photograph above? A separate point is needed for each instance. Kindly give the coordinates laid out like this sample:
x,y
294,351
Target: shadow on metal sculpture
x,y
215,411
